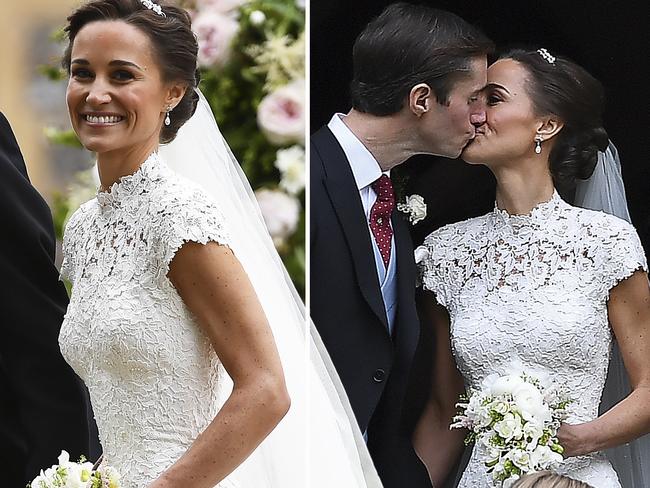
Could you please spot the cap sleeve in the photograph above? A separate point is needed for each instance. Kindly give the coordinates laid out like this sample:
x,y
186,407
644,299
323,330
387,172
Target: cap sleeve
x,y
188,217
433,269
615,250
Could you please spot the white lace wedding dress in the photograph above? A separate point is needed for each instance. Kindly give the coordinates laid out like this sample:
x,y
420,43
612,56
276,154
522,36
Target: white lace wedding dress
x,y
533,290
154,380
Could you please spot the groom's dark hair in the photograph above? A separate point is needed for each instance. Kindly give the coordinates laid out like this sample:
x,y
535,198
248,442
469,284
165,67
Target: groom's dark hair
x,y
410,44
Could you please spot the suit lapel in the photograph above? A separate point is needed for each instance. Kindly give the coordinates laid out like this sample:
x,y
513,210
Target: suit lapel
x,y
407,329
344,195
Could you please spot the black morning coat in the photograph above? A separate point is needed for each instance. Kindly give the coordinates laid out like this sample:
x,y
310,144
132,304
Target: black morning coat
x,y
43,404
348,310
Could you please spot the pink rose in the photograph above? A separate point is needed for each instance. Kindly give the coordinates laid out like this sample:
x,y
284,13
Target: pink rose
x,y
281,213
281,114
223,6
214,32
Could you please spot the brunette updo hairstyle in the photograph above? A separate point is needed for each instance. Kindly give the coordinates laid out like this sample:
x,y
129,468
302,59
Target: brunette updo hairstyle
x,y
566,90
171,36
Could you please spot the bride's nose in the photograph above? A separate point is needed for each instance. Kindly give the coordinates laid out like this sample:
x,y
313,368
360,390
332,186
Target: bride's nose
x,y
98,94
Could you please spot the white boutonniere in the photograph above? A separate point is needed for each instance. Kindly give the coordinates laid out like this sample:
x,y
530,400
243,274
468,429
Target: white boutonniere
x,y
415,207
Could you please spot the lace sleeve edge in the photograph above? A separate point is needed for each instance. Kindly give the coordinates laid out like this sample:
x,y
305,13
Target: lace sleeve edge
x,y
425,281
219,237
622,274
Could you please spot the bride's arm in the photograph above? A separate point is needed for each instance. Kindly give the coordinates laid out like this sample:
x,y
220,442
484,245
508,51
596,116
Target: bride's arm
x,y
629,316
216,289
437,445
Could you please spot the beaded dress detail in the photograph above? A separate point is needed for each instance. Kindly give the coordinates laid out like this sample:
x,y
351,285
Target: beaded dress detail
x,y
154,379
532,290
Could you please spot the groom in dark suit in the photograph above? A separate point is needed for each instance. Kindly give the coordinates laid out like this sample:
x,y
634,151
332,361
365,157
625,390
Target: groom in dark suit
x,y
418,74
42,402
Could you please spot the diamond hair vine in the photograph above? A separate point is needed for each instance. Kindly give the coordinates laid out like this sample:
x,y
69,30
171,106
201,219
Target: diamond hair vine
x,y
153,6
548,57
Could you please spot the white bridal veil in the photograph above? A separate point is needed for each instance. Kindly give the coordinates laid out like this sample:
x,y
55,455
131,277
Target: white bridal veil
x,y
605,191
318,443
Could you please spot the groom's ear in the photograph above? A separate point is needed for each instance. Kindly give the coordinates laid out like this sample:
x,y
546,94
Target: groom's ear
x,y
549,127
420,99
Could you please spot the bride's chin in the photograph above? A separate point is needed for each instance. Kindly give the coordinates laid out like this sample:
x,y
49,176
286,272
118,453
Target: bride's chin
x,y
471,156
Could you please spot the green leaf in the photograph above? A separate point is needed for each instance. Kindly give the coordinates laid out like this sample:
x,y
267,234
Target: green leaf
x,y
64,137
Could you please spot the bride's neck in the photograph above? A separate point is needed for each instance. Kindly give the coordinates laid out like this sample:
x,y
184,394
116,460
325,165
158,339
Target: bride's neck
x,y
113,165
518,192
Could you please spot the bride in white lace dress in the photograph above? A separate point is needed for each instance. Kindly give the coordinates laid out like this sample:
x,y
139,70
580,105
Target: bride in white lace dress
x,y
188,365
538,282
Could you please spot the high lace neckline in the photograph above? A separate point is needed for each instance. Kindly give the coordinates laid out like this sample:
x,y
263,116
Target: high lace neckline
x,y
539,214
134,184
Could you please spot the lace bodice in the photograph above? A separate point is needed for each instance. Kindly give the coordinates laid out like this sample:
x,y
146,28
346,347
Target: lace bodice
x,y
153,377
533,290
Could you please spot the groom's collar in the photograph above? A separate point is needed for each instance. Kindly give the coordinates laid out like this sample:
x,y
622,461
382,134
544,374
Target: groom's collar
x,y
365,167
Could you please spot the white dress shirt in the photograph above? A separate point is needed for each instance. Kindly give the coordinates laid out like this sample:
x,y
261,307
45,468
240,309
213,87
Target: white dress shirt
x,y
366,170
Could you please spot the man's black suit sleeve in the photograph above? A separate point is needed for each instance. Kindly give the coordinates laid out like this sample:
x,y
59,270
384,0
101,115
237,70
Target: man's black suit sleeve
x,y
42,401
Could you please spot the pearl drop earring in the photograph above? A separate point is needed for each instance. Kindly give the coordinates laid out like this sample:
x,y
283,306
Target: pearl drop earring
x,y
167,119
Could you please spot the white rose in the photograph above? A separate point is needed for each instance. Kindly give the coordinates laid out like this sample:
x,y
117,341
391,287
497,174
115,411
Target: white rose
x,y
544,457
483,418
257,17
281,114
520,458
504,385
291,163
509,427
280,212
500,407
530,402
492,455
214,32
417,207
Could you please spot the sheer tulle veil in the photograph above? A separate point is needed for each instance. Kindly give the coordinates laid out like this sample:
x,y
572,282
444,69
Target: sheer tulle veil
x,y
318,443
605,191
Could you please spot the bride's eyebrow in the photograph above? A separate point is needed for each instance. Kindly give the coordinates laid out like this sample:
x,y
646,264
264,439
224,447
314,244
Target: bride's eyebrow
x,y
496,85
120,62
115,62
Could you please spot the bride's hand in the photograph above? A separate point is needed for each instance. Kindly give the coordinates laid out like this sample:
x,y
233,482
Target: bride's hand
x,y
573,438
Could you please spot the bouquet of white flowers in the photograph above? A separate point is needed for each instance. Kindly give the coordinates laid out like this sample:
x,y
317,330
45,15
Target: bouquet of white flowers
x,y
68,474
514,419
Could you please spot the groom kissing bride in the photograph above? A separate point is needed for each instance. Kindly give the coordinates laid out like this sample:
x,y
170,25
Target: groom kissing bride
x,y
536,282
418,74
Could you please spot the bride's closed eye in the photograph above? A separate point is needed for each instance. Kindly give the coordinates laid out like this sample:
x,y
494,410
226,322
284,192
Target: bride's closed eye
x,y
493,99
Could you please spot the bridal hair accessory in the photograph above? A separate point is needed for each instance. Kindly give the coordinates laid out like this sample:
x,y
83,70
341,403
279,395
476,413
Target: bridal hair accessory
x,y
153,6
414,207
538,145
546,55
167,119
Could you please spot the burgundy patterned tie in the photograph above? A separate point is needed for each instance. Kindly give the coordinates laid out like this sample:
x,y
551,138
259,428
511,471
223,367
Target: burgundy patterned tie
x,y
380,216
